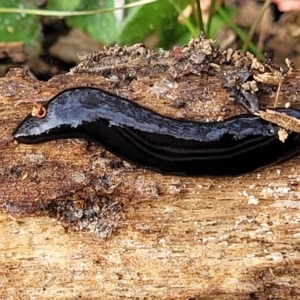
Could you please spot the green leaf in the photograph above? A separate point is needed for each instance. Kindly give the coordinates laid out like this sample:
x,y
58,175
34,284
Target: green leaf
x,y
101,27
158,18
218,22
63,5
18,27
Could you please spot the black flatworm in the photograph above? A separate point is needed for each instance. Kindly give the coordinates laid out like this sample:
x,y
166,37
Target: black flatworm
x,y
238,145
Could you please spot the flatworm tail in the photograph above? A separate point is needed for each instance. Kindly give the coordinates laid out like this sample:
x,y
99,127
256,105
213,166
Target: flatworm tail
x,y
235,146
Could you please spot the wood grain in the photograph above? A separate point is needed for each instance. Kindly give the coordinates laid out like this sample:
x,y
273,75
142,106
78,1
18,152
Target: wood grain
x,y
78,223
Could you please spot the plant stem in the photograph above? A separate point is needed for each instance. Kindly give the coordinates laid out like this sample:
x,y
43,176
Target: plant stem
x,y
199,14
211,11
239,32
253,27
58,13
187,22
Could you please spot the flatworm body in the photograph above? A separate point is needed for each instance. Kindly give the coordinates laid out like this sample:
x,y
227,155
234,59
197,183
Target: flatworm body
x,y
235,146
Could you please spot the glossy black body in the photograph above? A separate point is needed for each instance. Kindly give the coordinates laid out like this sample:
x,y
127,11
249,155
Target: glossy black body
x,y
233,147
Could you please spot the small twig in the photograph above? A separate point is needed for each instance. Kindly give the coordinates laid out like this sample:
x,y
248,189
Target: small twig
x,y
277,93
281,119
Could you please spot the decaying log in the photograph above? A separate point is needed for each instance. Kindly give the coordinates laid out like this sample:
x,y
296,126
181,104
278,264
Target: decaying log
x,y
77,222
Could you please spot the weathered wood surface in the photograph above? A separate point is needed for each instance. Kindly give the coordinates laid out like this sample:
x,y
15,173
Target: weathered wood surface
x,y
77,223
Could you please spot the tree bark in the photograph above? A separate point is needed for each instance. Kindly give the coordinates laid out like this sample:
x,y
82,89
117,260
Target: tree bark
x,y
77,222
